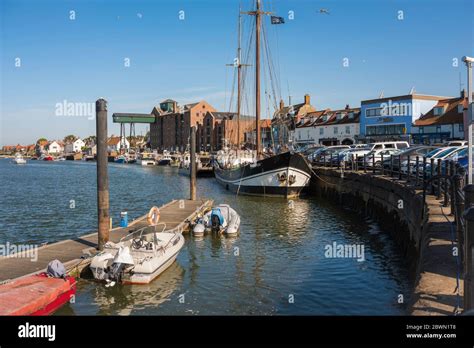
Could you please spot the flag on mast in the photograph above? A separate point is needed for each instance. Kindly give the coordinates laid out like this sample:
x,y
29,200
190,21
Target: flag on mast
x,y
277,20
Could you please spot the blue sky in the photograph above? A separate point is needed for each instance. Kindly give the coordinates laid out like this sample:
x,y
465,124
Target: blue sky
x,y
83,59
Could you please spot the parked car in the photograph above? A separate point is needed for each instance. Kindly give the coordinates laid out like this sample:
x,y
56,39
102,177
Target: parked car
x,y
374,157
445,154
403,155
310,150
364,150
325,154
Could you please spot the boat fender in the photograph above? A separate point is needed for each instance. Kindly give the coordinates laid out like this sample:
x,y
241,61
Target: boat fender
x,y
153,216
56,269
292,179
199,229
281,177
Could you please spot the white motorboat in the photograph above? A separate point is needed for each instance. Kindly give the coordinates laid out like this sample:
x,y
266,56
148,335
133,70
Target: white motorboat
x,y
221,219
146,159
19,159
165,159
138,258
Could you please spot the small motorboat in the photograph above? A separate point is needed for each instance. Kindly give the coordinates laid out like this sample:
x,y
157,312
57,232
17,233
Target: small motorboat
x,y
88,158
120,159
38,294
146,159
19,159
48,158
131,158
221,219
165,160
138,258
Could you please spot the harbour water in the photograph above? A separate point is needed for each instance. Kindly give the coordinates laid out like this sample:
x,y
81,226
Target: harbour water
x,y
277,265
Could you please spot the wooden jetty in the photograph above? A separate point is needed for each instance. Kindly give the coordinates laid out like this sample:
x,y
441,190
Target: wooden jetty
x,y
74,253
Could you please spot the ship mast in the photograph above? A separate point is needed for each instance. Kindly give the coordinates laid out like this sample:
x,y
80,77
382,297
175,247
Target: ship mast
x,y
258,23
239,77
238,64
258,20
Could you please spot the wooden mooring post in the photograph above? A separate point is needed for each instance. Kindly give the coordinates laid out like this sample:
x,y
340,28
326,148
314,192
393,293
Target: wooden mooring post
x,y
102,174
192,166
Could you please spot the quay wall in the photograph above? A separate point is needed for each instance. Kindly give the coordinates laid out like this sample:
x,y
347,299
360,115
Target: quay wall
x,y
400,210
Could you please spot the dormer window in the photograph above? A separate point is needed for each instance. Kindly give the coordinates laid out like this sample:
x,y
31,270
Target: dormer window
x,y
438,111
460,108
339,116
351,115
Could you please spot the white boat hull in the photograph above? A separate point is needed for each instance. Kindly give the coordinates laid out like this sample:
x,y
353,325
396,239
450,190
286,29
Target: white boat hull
x,y
147,263
146,162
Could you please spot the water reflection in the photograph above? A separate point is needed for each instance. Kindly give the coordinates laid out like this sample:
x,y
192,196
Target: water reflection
x,y
126,299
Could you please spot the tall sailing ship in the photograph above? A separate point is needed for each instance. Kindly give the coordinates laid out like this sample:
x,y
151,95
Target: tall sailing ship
x,y
284,174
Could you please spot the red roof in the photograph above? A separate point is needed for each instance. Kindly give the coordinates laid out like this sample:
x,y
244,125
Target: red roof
x,y
451,113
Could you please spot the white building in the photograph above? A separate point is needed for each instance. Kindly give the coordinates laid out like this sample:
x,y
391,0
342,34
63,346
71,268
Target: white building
x,y
75,146
328,127
114,144
55,147
444,122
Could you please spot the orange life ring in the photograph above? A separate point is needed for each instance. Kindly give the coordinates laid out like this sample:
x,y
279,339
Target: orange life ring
x,y
153,216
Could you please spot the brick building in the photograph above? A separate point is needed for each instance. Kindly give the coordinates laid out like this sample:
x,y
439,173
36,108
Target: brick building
x,y
172,126
217,126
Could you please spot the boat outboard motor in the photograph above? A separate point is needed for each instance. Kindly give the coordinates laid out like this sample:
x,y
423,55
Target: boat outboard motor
x,y
217,220
122,259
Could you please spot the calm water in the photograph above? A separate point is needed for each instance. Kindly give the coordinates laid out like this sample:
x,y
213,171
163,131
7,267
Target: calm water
x,y
278,255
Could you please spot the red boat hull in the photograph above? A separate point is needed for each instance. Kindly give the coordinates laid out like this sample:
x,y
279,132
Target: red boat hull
x,y
35,295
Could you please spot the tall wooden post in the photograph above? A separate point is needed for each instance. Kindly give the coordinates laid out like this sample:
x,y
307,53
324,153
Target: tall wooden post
x,y
102,174
192,166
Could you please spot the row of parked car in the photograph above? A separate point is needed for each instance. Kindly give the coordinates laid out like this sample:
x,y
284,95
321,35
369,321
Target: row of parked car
x,y
394,155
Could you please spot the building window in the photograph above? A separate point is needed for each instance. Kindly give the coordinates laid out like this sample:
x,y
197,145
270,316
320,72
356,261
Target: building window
x,y
461,127
421,130
437,111
373,112
321,131
438,129
348,129
395,129
335,130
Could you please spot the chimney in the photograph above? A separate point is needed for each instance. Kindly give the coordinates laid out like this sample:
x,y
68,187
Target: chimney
x,y
307,99
347,107
282,104
175,107
463,93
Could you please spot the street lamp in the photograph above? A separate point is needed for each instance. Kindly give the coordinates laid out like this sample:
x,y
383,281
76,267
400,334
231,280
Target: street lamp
x,y
469,61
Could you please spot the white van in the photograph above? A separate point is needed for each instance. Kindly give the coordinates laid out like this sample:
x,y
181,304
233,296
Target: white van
x,y
396,145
